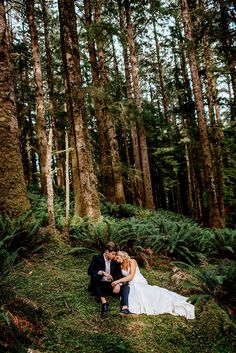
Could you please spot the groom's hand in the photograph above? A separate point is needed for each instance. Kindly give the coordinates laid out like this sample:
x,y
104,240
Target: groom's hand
x,y
116,288
108,276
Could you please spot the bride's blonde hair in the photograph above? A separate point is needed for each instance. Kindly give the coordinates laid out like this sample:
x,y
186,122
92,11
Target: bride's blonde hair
x,y
126,258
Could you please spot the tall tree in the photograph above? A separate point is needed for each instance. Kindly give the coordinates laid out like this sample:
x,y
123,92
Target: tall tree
x,y
13,196
137,183
86,195
214,115
215,220
51,92
149,202
109,121
228,47
161,73
39,94
109,149
107,184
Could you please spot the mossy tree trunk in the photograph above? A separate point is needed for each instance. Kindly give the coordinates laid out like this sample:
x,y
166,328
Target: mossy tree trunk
x,y
13,195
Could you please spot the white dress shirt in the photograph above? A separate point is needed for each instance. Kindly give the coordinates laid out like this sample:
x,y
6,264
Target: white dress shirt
x,y
107,269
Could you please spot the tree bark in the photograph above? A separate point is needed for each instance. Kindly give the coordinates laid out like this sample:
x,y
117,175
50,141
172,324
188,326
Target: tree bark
x,y
107,182
229,51
40,107
51,93
215,128
149,202
137,182
110,127
67,221
161,76
50,193
83,174
13,195
215,219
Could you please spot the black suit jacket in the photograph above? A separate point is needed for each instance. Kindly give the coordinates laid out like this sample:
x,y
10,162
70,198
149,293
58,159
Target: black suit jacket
x,y
98,264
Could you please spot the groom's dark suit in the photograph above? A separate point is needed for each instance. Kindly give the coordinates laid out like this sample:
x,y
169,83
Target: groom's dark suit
x,y
102,288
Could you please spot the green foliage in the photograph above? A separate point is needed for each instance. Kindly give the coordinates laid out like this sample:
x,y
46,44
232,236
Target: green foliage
x,y
7,261
164,232
88,235
39,207
123,210
15,236
178,240
220,243
216,282
135,229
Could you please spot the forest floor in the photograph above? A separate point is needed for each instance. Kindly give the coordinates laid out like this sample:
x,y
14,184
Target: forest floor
x,y
65,318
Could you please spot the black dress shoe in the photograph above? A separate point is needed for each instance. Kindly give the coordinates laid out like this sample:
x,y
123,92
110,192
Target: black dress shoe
x,y
105,308
125,312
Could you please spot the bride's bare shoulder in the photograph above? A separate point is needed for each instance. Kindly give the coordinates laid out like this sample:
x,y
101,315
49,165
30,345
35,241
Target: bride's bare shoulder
x,y
133,262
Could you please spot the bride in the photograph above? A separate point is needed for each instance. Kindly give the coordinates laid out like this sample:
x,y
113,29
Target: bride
x,y
147,299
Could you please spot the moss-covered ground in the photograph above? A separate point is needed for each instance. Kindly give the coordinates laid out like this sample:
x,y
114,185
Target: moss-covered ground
x,y
67,318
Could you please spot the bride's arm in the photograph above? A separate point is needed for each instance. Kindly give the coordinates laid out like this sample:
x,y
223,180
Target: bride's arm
x,y
130,276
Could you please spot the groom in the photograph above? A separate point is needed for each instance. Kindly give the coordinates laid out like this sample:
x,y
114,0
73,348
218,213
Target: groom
x,y
103,270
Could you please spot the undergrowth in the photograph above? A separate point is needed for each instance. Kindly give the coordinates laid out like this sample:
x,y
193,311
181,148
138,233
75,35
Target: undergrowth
x,y
69,320
45,303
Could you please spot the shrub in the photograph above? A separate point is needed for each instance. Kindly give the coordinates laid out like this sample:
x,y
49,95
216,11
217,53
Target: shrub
x,y
216,282
220,243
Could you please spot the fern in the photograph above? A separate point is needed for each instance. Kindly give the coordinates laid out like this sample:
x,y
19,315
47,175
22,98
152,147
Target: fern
x,y
15,236
215,282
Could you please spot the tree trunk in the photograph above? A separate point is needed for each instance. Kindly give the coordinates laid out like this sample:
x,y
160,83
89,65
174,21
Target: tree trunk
x,y
137,182
229,51
107,182
50,194
215,129
161,76
83,173
214,215
149,202
13,195
67,221
110,128
31,140
51,93
41,124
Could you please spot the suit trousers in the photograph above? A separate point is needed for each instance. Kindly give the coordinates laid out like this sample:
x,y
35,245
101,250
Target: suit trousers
x,y
104,288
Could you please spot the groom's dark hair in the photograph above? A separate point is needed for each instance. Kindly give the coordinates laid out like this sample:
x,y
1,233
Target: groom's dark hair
x,y
111,246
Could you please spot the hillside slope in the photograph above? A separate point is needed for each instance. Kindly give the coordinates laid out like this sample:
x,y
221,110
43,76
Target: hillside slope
x,y
54,312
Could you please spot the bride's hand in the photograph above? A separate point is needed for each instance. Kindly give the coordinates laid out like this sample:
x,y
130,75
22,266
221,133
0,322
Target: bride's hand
x,y
114,283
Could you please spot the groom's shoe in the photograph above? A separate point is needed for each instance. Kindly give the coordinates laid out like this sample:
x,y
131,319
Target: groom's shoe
x,y
125,312
105,308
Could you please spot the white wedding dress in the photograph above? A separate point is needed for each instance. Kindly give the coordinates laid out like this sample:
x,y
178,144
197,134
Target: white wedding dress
x,y
154,300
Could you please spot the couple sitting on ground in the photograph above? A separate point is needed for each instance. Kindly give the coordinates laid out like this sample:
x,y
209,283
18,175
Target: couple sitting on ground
x,y
114,272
